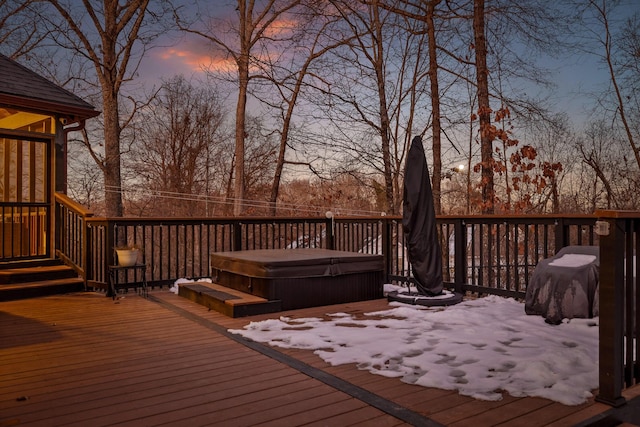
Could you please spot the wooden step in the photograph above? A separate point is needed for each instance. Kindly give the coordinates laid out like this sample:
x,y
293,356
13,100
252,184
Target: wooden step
x,y
29,263
36,273
16,291
230,302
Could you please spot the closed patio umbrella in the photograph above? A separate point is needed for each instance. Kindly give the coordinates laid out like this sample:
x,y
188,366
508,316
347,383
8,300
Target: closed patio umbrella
x,y
419,223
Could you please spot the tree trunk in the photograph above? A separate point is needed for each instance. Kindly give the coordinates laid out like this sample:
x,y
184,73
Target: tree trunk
x,y
484,111
277,177
241,109
435,107
385,122
112,178
238,187
110,84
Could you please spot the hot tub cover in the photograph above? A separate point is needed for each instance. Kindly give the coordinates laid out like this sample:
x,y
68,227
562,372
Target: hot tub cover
x,y
565,285
294,263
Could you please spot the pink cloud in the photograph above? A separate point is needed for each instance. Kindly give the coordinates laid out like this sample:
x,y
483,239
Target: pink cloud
x,y
281,28
194,60
195,55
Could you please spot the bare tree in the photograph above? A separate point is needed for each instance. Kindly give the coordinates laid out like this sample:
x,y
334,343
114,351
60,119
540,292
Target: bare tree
x,y
84,179
256,29
18,36
342,194
484,109
625,63
261,160
180,146
596,153
426,12
366,22
113,37
289,73
368,96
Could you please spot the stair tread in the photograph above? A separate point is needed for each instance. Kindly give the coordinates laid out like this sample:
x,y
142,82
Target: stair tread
x,y
30,263
37,278
36,269
241,297
35,273
231,302
41,283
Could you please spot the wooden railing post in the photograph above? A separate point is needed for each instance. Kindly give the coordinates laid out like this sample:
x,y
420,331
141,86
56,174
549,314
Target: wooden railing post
x,y
612,237
110,243
460,257
87,252
236,239
329,226
59,226
561,234
387,243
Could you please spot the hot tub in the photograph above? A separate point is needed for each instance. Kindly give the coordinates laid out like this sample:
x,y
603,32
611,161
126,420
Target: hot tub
x,y
301,278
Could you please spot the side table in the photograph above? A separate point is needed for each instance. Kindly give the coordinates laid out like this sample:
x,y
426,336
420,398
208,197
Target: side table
x,y
113,277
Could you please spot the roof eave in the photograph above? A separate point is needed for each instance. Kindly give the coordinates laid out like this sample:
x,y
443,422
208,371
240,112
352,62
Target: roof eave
x,y
77,113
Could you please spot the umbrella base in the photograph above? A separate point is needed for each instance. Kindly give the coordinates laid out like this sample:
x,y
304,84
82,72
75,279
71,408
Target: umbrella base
x,y
415,298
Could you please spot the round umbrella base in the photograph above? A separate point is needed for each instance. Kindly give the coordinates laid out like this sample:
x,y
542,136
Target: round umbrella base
x,y
415,298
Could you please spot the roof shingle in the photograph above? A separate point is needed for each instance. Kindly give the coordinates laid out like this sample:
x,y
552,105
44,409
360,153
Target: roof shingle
x,y
22,87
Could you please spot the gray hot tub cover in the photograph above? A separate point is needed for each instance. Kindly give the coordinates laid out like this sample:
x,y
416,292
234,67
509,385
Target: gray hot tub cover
x,y
295,263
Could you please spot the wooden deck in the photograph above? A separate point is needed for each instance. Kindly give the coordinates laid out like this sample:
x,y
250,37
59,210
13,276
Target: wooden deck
x,y
86,360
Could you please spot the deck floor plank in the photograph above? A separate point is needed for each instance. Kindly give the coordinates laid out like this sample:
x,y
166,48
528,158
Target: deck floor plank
x,y
207,402
545,415
84,359
307,408
366,416
519,407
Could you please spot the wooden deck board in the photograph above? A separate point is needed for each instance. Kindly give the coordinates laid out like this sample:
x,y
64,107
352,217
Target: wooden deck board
x,y
84,359
366,416
545,415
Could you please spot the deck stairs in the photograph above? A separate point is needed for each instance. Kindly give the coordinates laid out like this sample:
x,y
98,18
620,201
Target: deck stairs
x,y
230,302
37,278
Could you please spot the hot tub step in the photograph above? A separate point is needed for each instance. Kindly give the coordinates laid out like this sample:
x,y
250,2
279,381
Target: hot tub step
x,y
230,302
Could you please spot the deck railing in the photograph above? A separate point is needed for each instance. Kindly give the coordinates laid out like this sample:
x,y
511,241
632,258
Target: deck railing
x,y
23,230
181,248
481,254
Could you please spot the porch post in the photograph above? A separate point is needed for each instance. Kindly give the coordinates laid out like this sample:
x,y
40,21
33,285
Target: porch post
x,y
612,235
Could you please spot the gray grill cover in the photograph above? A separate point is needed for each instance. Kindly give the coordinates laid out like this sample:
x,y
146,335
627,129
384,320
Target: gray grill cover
x,y
559,292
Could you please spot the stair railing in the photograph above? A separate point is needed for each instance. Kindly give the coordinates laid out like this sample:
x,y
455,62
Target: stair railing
x,y
71,234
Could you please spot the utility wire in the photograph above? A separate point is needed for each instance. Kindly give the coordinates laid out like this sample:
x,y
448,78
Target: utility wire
x,y
222,200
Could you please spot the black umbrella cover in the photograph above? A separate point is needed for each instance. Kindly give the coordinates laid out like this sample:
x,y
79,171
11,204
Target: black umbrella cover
x,y
419,223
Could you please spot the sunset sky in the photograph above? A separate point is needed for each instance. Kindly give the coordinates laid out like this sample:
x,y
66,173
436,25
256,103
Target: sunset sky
x,y
576,74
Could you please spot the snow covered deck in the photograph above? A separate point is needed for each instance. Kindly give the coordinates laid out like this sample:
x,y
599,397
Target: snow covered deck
x,y
84,359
